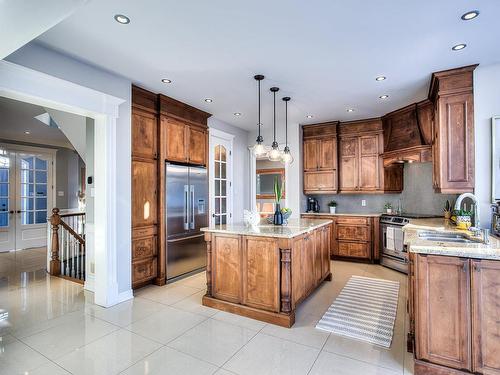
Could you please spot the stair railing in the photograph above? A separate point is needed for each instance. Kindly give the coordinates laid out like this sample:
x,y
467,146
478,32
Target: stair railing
x,y
67,245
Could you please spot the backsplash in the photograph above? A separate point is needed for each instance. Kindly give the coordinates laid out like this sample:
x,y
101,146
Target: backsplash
x,y
418,195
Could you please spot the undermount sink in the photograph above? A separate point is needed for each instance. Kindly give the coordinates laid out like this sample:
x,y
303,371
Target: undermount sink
x,y
444,237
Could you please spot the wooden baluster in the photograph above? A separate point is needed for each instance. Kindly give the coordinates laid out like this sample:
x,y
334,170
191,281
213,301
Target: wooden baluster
x,y
55,265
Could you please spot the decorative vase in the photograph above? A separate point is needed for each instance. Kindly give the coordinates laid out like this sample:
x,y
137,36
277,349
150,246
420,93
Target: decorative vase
x,y
333,209
278,216
389,210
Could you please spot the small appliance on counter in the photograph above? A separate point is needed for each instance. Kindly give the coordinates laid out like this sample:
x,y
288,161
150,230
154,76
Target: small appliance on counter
x,y
495,219
312,205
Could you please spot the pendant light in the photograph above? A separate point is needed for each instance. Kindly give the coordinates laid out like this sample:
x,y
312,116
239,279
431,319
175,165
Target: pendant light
x,y
286,156
274,154
259,149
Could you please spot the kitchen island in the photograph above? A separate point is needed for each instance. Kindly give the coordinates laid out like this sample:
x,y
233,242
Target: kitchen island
x,y
453,300
264,272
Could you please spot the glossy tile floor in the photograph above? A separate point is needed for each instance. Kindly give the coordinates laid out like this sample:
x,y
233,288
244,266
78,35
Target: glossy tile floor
x,y
54,328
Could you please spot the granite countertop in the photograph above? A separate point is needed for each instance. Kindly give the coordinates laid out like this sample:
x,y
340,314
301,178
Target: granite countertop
x,y
475,249
341,214
295,227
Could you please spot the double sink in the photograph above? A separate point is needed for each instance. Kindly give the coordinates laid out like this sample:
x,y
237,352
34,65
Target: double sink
x,y
445,237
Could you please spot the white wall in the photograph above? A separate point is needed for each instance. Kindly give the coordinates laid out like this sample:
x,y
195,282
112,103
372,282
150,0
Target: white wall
x,y
294,172
42,59
73,127
241,190
486,105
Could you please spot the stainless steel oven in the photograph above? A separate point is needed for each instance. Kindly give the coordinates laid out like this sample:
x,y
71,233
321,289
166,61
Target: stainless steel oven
x,y
394,254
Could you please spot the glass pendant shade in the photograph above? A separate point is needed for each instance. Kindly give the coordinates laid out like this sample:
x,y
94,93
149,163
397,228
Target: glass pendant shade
x,y
286,156
274,154
258,149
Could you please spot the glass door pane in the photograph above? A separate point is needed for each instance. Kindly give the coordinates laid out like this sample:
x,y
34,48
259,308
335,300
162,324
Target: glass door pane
x,y
220,185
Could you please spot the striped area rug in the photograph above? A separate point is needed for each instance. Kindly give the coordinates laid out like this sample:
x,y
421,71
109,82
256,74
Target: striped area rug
x,y
365,310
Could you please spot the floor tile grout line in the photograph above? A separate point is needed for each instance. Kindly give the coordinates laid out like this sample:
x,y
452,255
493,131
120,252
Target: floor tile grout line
x,y
256,333
359,360
141,359
319,353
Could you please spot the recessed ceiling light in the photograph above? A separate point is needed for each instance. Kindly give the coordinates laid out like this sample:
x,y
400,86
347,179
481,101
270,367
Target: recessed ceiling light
x,y
237,114
309,116
380,78
470,15
166,80
458,47
384,96
120,18
350,109
27,132
208,100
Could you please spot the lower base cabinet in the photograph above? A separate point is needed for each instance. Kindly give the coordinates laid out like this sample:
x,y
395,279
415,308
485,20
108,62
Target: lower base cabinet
x,y
454,307
352,237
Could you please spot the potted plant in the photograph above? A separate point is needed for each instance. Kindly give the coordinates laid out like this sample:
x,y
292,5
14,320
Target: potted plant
x,y
333,206
388,208
278,194
463,218
447,210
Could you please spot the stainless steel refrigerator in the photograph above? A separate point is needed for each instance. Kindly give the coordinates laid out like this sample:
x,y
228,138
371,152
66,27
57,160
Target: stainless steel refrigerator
x,y
187,205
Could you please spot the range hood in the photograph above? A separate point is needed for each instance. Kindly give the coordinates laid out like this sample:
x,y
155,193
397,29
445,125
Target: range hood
x,y
407,134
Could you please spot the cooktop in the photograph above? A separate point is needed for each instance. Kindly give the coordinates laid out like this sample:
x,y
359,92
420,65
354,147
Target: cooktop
x,y
412,216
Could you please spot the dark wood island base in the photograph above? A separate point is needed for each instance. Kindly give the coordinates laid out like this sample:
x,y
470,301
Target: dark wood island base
x,y
264,273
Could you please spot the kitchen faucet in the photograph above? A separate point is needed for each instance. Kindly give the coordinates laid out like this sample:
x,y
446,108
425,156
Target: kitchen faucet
x,y
458,204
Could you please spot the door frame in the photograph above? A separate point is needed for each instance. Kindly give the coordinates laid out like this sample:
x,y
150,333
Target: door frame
x,y
216,133
17,148
253,178
28,85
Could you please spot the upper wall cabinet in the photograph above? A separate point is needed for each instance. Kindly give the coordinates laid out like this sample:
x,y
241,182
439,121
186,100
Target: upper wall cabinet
x,y
451,91
185,129
360,153
320,158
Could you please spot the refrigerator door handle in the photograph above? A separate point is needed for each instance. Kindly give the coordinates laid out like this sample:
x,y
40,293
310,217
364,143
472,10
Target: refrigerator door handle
x,y
186,207
192,206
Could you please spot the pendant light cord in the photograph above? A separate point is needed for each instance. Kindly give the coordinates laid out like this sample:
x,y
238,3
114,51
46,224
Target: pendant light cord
x,y
259,108
274,124
286,123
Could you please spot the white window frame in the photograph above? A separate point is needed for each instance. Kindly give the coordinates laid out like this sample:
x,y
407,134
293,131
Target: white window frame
x,y
253,179
216,133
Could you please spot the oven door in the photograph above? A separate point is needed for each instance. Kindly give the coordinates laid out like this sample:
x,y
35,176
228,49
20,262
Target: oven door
x,y
398,251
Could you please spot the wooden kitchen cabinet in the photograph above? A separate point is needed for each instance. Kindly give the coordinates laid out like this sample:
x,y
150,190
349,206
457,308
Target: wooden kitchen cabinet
x,y
360,149
144,195
351,237
442,311
320,158
485,316
185,143
453,309
185,129
265,277
451,91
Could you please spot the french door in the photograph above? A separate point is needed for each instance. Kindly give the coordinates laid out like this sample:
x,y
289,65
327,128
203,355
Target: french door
x,y
221,173
25,198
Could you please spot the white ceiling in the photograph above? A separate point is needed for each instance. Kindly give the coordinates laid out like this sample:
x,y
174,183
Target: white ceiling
x,y
21,21
17,117
325,54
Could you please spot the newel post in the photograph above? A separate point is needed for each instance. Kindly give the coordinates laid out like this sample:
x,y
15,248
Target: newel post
x,y
55,265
